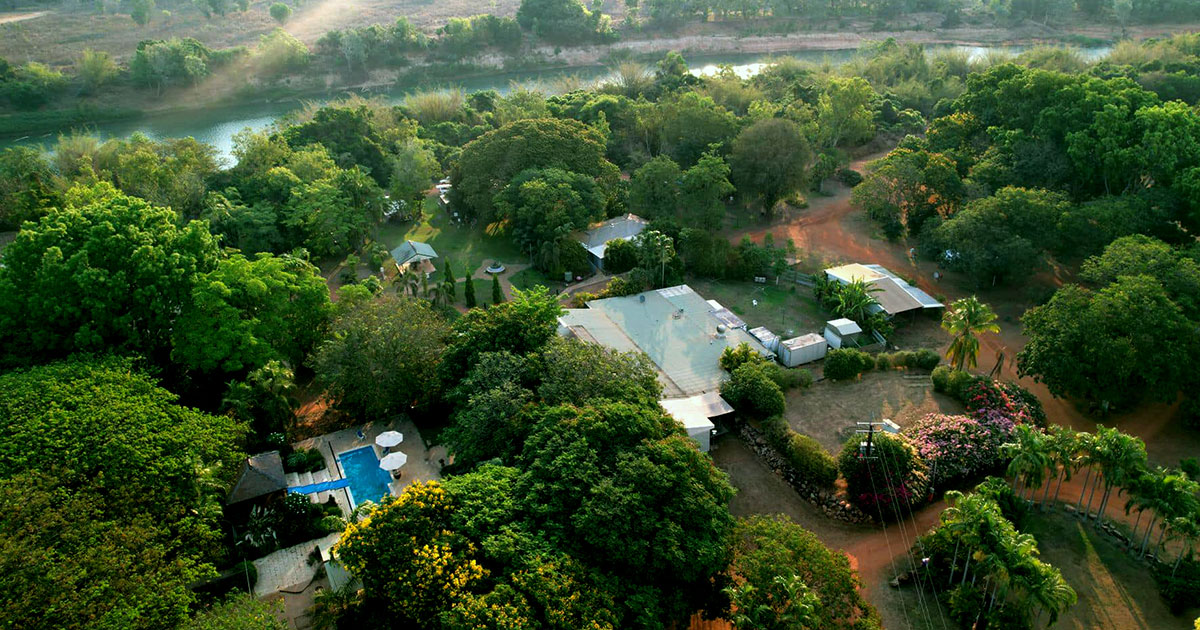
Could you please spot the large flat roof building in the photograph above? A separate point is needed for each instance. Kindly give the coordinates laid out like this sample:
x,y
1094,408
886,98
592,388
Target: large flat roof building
x,y
683,334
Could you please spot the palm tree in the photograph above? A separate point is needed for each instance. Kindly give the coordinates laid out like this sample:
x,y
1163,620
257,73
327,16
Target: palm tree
x,y
854,300
330,605
1029,458
1124,462
441,294
965,320
1061,444
409,282
1140,491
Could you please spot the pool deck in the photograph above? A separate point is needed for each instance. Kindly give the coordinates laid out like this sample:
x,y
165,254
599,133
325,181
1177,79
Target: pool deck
x,y
422,463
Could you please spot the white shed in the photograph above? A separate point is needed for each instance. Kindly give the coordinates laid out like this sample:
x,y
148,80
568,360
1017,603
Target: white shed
x,y
695,414
842,332
802,349
768,339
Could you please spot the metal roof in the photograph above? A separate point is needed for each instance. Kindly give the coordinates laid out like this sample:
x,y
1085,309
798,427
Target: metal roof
x,y
409,251
894,294
844,326
694,412
596,239
804,341
674,326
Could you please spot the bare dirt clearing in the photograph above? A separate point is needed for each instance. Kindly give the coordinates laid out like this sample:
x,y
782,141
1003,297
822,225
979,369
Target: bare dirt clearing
x,y
9,18
828,410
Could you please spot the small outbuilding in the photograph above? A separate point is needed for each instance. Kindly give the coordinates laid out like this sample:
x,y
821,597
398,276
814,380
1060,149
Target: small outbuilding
x,y
843,332
414,255
597,238
695,414
768,339
802,349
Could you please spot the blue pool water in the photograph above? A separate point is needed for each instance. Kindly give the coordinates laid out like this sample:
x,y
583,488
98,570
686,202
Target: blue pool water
x,y
368,482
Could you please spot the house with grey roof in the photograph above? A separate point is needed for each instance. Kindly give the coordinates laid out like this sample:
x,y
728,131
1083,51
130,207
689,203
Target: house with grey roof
x,y
260,477
684,336
893,295
596,239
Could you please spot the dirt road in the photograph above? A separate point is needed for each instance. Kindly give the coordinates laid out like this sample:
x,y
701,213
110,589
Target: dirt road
x,y
9,18
833,232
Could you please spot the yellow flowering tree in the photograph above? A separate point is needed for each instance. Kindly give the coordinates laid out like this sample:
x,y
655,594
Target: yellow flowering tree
x,y
408,558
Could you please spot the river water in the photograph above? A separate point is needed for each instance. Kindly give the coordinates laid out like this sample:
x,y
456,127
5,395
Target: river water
x,y
217,125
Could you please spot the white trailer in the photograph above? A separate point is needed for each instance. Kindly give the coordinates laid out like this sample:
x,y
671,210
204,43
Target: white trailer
x,y
802,349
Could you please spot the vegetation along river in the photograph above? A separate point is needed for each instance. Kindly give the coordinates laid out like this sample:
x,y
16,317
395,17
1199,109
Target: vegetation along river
x,y
217,125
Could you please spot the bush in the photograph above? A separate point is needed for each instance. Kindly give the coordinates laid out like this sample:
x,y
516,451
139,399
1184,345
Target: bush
x,y
983,394
790,378
752,391
245,570
848,176
889,484
958,447
941,378
620,287
804,454
925,359
1182,589
619,256
304,460
735,357
883,362
957,383
330,524
847,363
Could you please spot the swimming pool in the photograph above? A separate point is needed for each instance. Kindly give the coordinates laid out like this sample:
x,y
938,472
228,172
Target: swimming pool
x,y
368,482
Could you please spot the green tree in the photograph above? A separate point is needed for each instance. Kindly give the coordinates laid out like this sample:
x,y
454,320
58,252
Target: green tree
x,y
752,391
620,255
524,325
490,162
28,187
246,312
497,291
469,292
381,357
965,320
413,168
563,21
691,124
887,482
280,12
239,612
279,53
1105,346
113,496
110,275
844,112
704,191
769,160
1002,236
265,400
140,11
908,187
94,69
1140,255
654,188
547,204
772,558
655,250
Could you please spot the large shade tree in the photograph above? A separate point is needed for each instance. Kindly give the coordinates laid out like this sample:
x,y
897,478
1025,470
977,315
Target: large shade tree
x,y
110,273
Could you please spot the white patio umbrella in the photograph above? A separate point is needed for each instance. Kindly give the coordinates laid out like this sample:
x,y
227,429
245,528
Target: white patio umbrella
x,y
389,438
392,461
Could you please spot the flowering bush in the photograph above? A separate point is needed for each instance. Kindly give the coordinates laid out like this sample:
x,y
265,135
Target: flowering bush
x,y
890,483
955,447
1010,399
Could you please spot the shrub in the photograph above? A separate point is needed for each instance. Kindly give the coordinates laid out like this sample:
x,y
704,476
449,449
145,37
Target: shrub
x,y
925,359
246,571
790,378
891,482
304,460
737,356
619,256
1181,588
883,362
620,287
1189,413
330,524
957,447
803,453
941,378
957,383
848,176
847,363
983,394
751,391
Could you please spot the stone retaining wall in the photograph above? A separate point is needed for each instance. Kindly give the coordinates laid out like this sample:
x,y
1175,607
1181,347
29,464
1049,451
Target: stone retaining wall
x,y
833,506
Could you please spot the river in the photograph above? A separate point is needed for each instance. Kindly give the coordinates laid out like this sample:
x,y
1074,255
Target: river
x,y
217,125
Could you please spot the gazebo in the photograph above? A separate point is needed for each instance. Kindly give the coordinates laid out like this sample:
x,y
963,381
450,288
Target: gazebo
x,y
414,255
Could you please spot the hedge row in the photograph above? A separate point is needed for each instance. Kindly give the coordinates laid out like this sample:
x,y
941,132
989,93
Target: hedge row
x,y
803,453
848,363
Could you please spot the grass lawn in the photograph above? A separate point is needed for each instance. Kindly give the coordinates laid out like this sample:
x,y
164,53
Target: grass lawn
x,y
467,248
788,310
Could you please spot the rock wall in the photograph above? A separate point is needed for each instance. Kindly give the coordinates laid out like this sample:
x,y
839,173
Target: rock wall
x,y
829,502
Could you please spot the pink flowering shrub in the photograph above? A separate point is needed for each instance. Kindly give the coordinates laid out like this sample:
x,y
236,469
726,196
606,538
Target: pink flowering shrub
x,y
956,447
1009,399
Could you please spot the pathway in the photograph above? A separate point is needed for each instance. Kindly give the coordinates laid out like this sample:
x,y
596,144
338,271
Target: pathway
x,y
505,278
10,18
831,230
289,569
